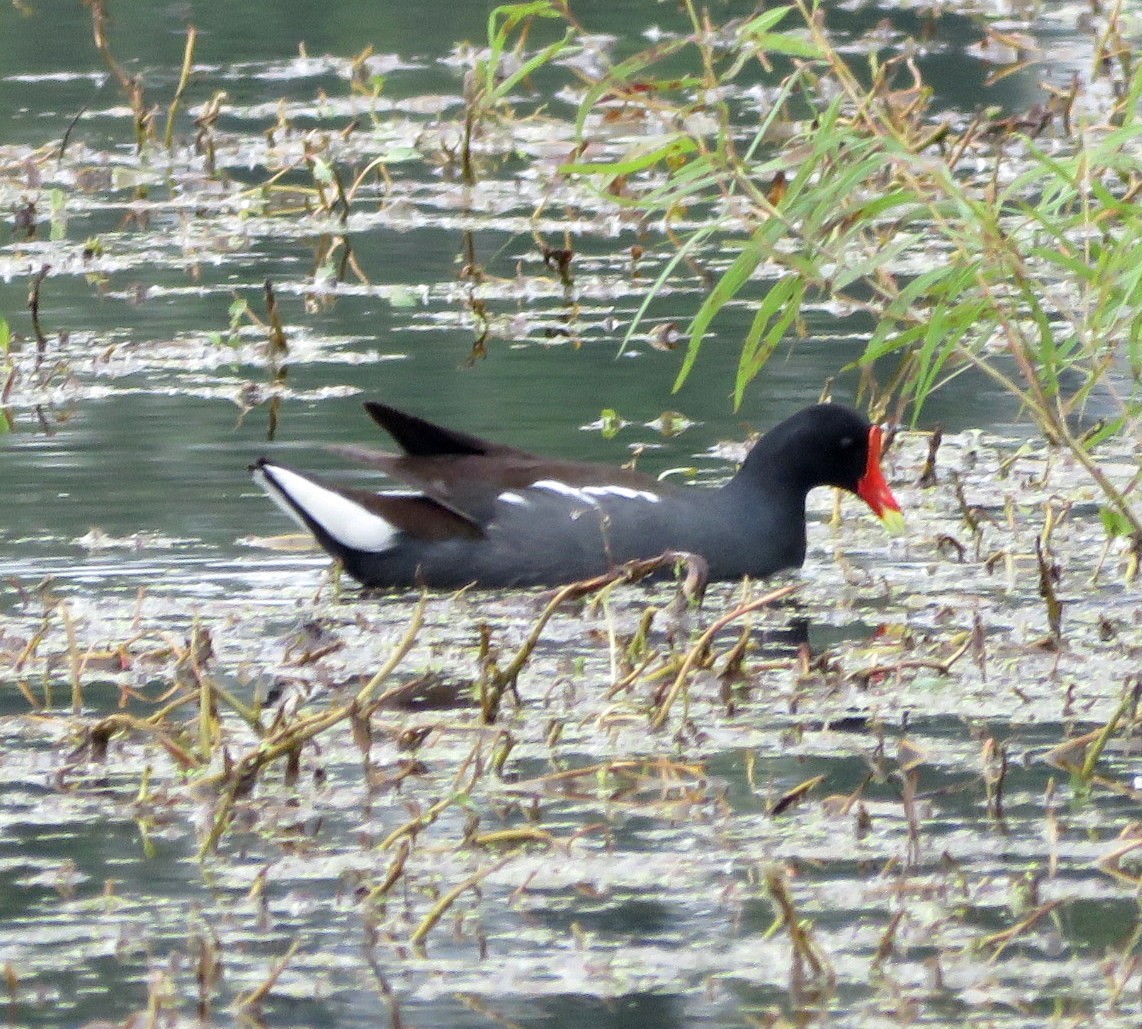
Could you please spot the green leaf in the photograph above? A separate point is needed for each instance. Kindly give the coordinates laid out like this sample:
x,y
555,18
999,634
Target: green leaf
x,y
765,21
5,337
612,422
693,243
1115,523
776,313
672,151
876,207
622,74
58,228
1050,358
938,285
727,287
1110,428
531,65
511,15
322,171
237,311
401,296
885,341
1076,266
785,43
865,268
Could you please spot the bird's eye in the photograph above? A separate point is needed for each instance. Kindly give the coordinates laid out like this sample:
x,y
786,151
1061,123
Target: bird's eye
x,y
846,442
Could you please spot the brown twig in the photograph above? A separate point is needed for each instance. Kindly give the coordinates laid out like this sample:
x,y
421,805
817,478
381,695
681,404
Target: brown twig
x,y
255,996
241,777
183,81
450,897
662,711
499,681
34,307
1000,940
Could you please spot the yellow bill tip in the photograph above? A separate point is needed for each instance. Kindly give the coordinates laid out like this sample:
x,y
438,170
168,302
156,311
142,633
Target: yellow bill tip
x,y
893,522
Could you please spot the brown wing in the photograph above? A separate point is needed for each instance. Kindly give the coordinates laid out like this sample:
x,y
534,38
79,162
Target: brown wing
x,y
470,484
465,474
416,514
418,437
422,517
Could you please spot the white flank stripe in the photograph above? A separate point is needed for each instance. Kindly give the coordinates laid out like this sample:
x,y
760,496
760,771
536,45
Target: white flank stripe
x,y
512,498
621,491
552,486
347,522
591,494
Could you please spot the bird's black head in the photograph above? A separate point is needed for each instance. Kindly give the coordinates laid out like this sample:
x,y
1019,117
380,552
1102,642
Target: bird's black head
x,y
823,445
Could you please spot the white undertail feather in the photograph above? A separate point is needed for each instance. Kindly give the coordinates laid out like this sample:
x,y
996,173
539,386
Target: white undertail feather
x,y
346,521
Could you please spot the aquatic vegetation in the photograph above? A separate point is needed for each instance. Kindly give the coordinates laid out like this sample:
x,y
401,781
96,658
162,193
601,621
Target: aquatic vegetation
x,y
928,798
972,243
901,787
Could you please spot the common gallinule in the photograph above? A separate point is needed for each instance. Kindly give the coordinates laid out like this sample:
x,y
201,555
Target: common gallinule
x,y
492,515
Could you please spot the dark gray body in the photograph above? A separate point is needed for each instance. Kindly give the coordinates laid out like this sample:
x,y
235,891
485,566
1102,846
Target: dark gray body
x,y
490,515
555,539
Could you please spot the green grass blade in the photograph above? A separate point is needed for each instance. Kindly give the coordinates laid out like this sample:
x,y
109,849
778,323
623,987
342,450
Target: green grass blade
x,y
778,310
726,288
675,149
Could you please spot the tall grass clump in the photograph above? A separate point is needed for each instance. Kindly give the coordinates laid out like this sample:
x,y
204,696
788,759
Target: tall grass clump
x,y
983,245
